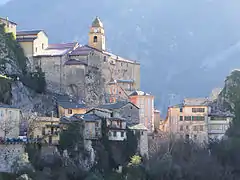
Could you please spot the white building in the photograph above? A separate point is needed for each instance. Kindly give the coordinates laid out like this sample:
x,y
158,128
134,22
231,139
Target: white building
x,y
218,124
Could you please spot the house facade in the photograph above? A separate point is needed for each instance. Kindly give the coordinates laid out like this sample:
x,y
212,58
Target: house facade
x,y
189,119
218,124
123,109
69,107
47,130
145,102
116,129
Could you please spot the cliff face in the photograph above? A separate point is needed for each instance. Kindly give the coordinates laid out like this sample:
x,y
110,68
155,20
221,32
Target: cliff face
x,y
230,95
13,91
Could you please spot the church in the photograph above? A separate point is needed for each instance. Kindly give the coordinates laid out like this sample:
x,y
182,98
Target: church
x,y
87,72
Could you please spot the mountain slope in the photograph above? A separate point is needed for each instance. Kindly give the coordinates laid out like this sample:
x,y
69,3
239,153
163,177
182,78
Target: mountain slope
x,y
175,41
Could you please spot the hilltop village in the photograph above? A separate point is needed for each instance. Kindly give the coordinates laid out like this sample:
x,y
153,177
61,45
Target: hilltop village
x,y
95,86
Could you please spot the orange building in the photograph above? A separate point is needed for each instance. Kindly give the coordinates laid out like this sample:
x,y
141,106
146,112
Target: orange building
x,y
146,104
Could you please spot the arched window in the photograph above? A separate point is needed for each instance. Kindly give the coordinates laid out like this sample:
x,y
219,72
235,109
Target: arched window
x,y
95,39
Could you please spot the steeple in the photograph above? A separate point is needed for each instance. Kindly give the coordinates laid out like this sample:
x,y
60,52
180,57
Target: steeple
x,y
97,35
97,23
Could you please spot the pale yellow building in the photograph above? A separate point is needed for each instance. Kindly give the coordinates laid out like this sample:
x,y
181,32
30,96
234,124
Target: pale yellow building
x,y
69,108
189,119
47,129
9,26
9,121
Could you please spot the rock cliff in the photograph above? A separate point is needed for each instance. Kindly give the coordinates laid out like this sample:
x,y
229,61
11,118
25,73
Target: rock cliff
x,y
13,68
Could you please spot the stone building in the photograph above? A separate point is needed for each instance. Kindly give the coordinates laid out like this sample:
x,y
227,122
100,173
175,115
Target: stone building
x,y
9,26
189,119
143,138
83,71
124,109
145,102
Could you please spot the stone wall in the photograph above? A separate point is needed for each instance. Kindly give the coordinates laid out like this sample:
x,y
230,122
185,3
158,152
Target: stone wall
x,y
131,113
74,80
143,143
8,155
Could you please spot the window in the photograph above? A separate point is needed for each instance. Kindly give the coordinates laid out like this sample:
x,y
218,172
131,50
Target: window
x,y
181,109
121,64
181,128
114,133
187,118
131,107
95,39
187,136
201,128
218,118
97,124
104,59
42,46
198,118
122,134
111,114
187,127
36,49
195,110
180,118
69,111
195,128
43,131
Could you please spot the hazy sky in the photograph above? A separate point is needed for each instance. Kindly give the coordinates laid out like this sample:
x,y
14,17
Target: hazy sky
x,y
3,1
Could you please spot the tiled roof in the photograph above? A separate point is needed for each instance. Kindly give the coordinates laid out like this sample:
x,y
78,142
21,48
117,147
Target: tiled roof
x,y
5,19
139,93
63,46
26,39
75,62
99,109
87,117
71,104
32,32
80,117
53,52
116,119
81,51
86,49
195,101
116,105
138,127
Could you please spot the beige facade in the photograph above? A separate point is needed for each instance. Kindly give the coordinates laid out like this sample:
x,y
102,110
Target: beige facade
x,y
157,119
9,26
47,129
145,102
189,120
9,122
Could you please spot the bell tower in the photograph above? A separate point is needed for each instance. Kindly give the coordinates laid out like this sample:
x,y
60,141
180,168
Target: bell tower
x,y
96,35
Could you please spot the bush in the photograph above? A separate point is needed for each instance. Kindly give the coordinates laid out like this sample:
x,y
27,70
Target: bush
x,y
35,81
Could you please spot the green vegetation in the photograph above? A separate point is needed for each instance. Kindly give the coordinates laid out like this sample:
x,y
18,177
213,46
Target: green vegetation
x,y
35,80
5,90
13,55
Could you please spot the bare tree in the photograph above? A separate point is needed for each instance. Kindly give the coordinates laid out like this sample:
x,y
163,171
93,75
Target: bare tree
x,y
9,126
30,123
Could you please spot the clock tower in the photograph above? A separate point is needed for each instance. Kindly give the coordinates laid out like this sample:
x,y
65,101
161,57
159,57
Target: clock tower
x,y
96,35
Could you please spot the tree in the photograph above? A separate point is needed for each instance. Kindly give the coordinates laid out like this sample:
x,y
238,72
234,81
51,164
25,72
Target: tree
x,y
30,122
9,126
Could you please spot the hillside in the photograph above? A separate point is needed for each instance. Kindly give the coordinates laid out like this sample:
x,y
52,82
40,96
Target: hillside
x,y
19,87
186,47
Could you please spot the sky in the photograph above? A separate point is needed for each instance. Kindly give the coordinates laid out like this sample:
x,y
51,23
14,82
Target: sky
x,y
3,1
